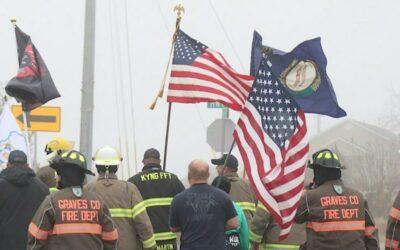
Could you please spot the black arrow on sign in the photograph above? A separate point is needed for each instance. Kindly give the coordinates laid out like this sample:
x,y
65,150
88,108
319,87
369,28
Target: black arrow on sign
x,y
36,118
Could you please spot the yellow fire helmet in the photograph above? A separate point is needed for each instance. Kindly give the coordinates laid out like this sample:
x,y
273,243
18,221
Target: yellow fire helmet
x,y
58,144
107,156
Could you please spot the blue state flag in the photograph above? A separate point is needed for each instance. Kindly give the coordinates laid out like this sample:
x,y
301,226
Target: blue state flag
x,y
303,73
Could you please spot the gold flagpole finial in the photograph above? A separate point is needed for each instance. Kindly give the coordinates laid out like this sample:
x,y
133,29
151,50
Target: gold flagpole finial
x,y
13,20
179,9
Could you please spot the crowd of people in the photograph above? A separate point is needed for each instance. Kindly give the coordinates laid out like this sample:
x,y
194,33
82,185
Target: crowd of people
x,y
56,208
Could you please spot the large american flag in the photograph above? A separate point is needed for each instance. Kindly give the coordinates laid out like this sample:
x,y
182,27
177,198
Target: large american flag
x,y
271,135
199,74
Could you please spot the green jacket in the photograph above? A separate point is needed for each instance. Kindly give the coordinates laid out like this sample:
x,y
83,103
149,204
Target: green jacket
x,y
243,229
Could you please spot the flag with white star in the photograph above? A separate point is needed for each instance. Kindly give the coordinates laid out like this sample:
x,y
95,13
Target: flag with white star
x,y
271,135
199,74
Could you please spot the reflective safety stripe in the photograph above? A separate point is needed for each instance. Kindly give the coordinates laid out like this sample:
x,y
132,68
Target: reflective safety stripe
x,y
158,202
254,237
76,228
392,244
139,208
250,206
369,230
38,233
113,235
128,212
149,243
278,246
121,213
332,226
395,213
261,206
165,236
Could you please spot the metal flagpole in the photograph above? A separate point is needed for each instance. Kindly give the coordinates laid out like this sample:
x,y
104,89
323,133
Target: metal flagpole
x,y
24,112
87,104
226,161
25,115
166,136
179,10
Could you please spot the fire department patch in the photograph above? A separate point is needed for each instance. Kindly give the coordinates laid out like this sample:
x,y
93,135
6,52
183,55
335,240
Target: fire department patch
x,y
338,189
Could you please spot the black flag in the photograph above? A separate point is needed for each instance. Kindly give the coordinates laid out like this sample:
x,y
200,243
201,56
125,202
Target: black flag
x,y
33,85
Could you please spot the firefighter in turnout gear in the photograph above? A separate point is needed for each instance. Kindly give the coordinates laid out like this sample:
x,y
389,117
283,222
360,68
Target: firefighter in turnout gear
x,y
72,218
124,202
158,188
393,226
241,192
264,232
56,146
336,217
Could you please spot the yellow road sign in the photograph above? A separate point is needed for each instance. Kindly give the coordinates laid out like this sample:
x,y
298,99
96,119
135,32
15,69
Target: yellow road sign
x,y
45,118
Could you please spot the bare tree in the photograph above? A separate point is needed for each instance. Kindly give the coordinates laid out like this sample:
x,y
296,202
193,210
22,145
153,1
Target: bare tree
x,y
375,173
391,120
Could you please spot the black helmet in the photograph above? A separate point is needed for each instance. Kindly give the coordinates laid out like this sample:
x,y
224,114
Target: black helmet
x,y
71,158
325,158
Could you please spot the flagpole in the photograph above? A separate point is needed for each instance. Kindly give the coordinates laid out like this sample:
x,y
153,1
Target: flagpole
x,y
28,146
179,10
225,162
24,112
166,136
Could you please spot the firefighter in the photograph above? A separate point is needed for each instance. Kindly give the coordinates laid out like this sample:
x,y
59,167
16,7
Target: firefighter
x,y
158,188
393,226
337,217
72,218
56,146
124,201
264,232
241,192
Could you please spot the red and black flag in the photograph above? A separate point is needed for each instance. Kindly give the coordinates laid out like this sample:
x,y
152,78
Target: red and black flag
x,y
33,85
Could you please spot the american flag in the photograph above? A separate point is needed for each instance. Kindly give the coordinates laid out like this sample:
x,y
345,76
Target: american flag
x,y
199,74
271,135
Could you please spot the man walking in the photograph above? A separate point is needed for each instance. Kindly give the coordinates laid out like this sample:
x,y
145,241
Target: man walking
x,y
72,218
241,192
157,188
21,193
202,213
124,201
337,217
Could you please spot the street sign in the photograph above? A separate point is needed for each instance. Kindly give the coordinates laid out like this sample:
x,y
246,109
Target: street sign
x,y
220,134
45,118
215,105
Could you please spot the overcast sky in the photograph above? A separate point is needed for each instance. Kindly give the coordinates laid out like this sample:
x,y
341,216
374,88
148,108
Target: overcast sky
x,y
360,39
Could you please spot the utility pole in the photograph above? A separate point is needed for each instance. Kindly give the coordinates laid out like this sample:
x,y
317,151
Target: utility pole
x,y
87,103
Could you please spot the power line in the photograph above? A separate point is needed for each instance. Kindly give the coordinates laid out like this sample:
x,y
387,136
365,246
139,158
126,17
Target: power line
x,y
115,81
130,88
119,63
226,35
163,17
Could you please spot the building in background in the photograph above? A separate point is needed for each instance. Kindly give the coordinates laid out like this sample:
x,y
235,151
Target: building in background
x,y
371,155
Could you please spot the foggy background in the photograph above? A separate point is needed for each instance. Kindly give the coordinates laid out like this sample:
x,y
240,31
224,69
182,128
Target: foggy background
x,y
360,40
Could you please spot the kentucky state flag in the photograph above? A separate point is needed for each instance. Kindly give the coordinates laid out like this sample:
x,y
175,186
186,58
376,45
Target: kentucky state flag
x,y
303,73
